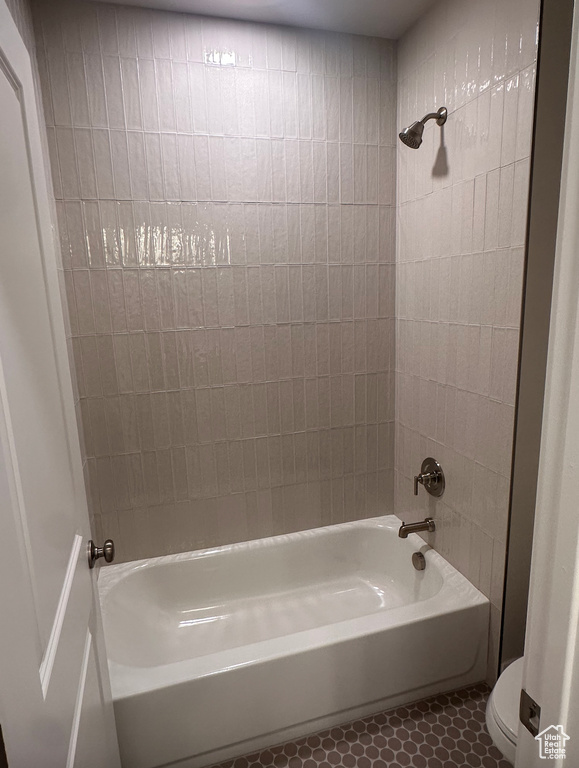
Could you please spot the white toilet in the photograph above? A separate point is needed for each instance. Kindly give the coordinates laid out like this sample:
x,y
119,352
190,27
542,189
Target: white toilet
x,y
502,715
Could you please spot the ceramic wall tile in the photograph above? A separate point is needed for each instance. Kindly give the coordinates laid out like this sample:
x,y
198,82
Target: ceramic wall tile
x,y
237,275
226,194
458,318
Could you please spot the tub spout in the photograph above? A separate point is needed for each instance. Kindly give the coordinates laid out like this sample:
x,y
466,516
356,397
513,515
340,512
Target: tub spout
x,y
427,524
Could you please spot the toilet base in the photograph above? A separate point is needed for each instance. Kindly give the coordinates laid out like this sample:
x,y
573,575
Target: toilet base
x,y
507,747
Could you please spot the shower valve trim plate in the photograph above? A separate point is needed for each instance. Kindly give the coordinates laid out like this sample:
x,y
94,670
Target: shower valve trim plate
x,y
431,477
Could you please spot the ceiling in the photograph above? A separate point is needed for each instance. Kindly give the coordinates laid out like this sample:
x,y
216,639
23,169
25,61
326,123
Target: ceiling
x,y
381,18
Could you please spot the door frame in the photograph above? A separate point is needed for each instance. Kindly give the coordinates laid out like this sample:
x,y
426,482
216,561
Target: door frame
x,y
544,191
551,667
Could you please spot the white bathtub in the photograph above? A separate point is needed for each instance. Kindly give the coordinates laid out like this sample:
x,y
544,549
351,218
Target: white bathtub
x,y
217,653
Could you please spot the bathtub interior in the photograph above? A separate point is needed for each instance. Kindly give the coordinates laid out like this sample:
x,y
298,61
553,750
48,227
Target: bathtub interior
x,y
179,607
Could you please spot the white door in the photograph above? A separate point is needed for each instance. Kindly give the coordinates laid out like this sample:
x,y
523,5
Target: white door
x,y
55,702
551,667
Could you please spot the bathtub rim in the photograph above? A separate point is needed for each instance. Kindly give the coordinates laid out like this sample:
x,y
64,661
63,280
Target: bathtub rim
x,y
110,576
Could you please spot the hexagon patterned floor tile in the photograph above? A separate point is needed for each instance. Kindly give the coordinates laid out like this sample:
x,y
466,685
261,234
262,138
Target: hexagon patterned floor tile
x,y
446,731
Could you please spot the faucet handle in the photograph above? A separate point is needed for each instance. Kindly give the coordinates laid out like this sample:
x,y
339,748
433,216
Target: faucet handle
x,y
424,478
431,477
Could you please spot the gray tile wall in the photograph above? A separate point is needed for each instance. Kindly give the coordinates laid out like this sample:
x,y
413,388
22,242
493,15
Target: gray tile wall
x,y
462,206
225,198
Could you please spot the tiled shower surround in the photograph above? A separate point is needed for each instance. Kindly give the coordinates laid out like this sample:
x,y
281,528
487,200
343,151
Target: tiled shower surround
x,y
225,196
246,309
462,209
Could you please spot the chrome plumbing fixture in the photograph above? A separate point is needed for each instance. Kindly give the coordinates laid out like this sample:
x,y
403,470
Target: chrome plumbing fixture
x,y
431,477
427,524
107,551
412,136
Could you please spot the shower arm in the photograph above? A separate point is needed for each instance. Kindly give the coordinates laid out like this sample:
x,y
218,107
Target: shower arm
x,y
439,116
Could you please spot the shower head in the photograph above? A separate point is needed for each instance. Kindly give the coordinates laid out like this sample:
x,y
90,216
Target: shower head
x,y
412,136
